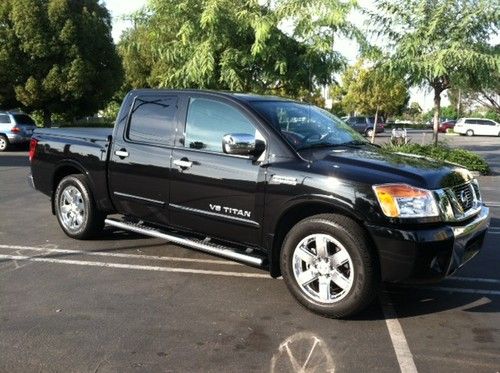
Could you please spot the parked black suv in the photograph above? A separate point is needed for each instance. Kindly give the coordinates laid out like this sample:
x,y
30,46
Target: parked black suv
x,y
364,125
273,183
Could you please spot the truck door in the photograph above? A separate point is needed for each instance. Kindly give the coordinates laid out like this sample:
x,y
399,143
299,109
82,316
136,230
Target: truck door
x,y
139,167
211,192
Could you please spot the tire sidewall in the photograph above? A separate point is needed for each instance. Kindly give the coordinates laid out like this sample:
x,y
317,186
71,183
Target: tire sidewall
x,y
353,247
82,187
469,133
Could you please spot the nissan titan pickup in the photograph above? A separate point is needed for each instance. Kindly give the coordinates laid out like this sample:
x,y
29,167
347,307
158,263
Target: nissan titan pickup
x,y
274,183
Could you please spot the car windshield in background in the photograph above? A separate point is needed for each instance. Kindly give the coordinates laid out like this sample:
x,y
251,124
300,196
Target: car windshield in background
x,y
307,126
23,119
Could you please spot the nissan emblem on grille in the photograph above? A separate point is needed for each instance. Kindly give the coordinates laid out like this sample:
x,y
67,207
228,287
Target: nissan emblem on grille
x,y
464,198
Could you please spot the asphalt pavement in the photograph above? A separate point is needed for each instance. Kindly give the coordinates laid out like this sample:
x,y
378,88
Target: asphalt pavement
x,y
130,303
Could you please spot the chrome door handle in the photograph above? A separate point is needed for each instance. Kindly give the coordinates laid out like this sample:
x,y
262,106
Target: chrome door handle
x,y
183,164
121,153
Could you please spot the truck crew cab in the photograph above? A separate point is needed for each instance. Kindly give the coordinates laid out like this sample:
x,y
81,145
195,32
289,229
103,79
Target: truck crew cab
x,y
274,183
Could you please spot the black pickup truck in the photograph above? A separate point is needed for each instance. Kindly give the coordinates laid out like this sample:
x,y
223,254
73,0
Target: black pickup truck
x,y
274,183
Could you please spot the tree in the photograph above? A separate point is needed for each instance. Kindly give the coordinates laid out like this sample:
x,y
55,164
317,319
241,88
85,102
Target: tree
x,y
414,109
439,43
368,90
57,56
222,44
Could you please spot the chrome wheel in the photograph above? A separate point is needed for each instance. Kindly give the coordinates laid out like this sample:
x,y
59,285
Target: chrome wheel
x,y
72,208
323,268
3,143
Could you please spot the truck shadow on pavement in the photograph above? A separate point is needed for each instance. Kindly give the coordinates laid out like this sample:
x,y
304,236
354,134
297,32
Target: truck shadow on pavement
x,y
415,301
14,161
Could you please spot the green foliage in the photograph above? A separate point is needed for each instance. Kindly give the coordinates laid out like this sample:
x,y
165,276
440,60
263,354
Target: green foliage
x,y
225,44
440,44
57,56
366,90
441,151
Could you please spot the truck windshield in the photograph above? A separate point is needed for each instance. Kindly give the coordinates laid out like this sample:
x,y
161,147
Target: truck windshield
x,y
307,126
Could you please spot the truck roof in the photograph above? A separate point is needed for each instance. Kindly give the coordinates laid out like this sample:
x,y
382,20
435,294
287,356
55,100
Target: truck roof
x,y
240,96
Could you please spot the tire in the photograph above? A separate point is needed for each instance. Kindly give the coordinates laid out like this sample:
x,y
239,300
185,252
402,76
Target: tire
x,y
80,219
4,143
469,133
359,268
369,133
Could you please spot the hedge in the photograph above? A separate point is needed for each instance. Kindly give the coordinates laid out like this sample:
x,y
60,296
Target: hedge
x,y
465,158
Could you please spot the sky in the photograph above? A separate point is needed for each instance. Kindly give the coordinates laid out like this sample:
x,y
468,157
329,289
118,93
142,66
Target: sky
x,y
120,8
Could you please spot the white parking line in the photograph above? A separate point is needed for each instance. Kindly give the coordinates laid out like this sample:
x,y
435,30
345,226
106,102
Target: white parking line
x,y
121,255
492,204
399,342
133,266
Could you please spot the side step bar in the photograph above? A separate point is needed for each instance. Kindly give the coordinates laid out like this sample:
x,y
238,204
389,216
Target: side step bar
x,y
202,245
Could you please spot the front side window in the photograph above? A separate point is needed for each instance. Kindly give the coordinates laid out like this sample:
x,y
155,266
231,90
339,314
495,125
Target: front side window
x,y
153,120
208,121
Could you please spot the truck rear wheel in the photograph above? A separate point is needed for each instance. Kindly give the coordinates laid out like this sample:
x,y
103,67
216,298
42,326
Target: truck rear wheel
x,y
75,208
328,265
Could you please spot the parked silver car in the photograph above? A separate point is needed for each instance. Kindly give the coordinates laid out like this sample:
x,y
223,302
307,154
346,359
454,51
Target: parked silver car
x,y
15,128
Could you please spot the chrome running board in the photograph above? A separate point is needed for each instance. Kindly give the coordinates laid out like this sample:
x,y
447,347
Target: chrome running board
x,y
249,256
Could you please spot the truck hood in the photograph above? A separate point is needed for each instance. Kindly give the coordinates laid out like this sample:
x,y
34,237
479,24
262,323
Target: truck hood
x,y
373,165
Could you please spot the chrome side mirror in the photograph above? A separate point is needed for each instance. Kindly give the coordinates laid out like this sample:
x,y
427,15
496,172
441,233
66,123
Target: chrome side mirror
x,y
239,144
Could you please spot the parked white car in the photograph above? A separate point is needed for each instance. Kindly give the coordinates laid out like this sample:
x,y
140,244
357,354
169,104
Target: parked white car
x,y
477,127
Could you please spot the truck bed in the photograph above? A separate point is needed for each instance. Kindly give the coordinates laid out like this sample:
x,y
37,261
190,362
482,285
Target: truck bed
x,y
62,151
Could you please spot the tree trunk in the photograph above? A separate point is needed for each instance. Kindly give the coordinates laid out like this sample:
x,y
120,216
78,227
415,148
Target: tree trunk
x,y
437,114
375,126
47,118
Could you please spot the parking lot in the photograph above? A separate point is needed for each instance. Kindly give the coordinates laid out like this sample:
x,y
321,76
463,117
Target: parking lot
x,y
130,303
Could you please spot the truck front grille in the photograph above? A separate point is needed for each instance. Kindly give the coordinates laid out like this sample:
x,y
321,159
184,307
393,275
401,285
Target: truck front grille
x,y
465,196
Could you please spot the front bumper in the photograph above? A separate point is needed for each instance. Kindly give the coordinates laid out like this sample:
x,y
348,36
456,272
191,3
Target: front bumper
x,y
428,254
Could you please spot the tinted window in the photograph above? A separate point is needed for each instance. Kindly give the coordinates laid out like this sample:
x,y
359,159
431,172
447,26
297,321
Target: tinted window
x,y
485,122
306,126
153,120
4,118
208,121
360,120
470,121
23,119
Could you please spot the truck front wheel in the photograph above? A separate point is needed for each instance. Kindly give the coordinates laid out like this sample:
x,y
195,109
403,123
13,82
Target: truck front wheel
x,y
75,208
328,265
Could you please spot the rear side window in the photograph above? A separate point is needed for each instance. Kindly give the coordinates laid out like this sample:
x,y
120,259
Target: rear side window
x,y
208,121
4,118
152,120
470,121
23,119
485,122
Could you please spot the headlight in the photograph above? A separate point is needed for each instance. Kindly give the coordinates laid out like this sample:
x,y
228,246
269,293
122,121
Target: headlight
x,y
405,201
